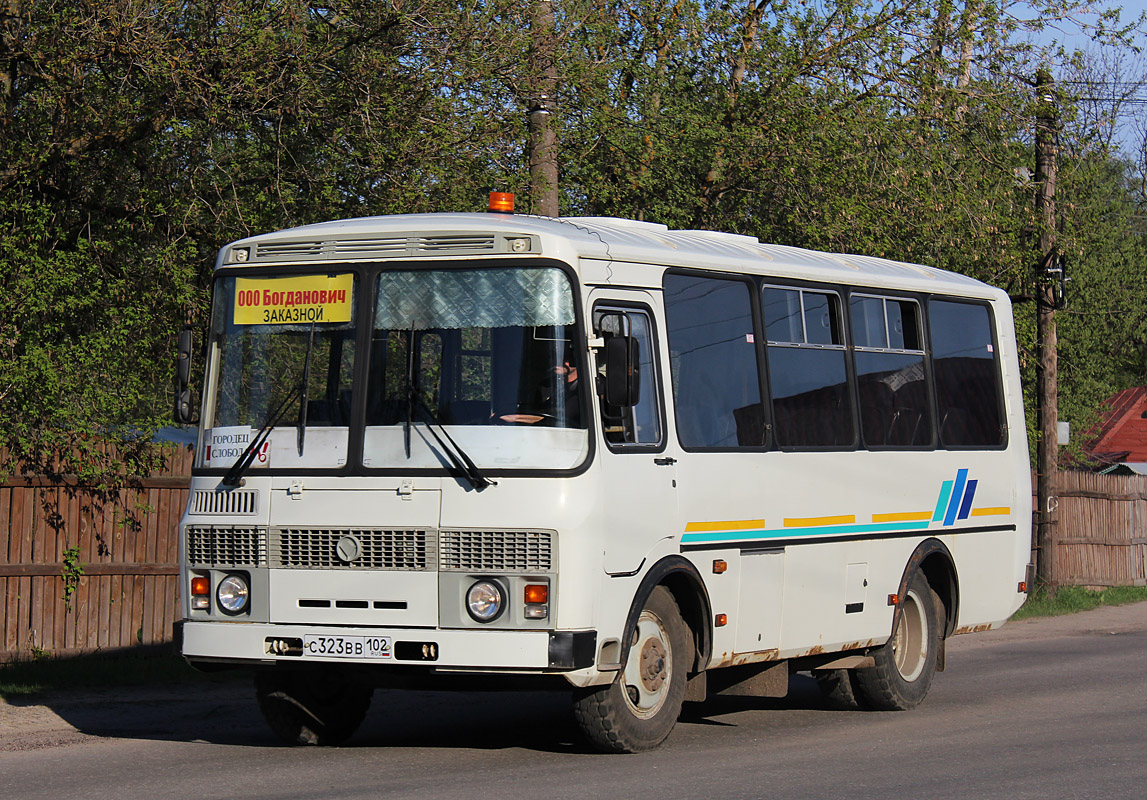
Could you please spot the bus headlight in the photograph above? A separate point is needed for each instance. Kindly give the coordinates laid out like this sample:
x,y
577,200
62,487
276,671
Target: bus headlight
x,y
485,601
233,594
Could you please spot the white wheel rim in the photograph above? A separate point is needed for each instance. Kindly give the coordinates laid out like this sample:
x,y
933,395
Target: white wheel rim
x,y
649,667
910,641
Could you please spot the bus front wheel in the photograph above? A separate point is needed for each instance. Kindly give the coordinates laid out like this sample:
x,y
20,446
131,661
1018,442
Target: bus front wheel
x,y
906,664
639,709
311,708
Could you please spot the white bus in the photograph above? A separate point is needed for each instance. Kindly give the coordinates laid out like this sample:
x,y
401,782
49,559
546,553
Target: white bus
x,y
640,464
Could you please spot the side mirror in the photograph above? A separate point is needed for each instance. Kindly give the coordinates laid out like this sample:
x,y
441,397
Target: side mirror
x,y
183,378
622,371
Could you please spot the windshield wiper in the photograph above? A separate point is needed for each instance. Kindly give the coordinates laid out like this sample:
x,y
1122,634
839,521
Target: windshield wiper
x,y
247,457
458,458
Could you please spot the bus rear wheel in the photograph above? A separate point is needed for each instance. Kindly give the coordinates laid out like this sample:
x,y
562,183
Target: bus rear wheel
x,y
311,708
906,664
639,709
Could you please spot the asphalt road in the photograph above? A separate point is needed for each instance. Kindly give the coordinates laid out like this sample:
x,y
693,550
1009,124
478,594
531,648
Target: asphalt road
x,y
1052,708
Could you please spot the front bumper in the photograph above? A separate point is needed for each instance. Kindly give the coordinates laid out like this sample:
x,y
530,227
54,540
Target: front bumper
x,y
471,650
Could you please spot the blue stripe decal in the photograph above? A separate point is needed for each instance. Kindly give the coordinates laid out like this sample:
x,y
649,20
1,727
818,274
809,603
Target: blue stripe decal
x,y
957,493
969,493
942,502
798,533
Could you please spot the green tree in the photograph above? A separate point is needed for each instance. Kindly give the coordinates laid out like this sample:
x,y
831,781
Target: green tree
x,y
136,137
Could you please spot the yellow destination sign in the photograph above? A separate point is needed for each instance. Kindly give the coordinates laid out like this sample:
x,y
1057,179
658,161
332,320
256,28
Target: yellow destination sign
x,y
304,298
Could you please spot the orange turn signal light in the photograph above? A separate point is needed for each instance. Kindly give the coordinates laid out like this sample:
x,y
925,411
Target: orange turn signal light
x,y
720,621
537,593
1023,587
719,565
501,202
893,599
200,586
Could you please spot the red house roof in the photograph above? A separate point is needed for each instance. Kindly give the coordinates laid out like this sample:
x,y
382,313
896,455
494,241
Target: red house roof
x,y
1122,433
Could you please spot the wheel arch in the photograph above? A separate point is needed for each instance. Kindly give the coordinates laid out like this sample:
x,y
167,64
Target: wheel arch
x,y
932,558
684,582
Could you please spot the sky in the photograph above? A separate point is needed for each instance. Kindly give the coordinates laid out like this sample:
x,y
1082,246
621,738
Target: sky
x,y
1133,124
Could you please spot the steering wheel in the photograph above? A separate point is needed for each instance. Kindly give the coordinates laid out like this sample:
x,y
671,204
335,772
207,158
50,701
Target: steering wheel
x,y
526,418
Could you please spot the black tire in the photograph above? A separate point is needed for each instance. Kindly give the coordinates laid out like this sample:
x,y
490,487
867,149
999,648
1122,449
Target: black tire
x,y
836,688
906,664
639,709
311,707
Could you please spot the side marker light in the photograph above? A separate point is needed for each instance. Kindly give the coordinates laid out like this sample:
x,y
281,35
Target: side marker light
x,y
893,599
200,593
720,621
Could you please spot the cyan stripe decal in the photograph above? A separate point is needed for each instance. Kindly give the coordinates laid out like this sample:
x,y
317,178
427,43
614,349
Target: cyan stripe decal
x,y
942,501
777,533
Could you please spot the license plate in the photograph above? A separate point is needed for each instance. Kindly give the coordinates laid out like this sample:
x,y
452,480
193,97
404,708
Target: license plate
x,y
318,645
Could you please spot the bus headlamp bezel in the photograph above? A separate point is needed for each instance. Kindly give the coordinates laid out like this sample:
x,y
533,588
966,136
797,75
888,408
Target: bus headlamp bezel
x,y
486,600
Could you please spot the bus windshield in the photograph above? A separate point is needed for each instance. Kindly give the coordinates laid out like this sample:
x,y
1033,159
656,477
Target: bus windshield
x,y
487,353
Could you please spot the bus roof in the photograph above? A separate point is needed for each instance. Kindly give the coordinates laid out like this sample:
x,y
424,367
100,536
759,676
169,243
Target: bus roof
x,y
607,239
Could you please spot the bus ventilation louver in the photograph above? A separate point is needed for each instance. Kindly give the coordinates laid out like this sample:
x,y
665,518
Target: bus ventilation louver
x,y
236,502
496,551
382,247
212,546
341,548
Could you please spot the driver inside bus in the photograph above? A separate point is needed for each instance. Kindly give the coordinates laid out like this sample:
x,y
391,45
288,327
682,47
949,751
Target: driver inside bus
x,y
555,396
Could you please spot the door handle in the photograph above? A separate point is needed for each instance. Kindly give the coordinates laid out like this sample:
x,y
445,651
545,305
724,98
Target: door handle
x,y
665,461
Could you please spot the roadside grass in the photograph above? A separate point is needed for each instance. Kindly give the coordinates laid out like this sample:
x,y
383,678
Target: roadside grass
x,y
1073,599
46,673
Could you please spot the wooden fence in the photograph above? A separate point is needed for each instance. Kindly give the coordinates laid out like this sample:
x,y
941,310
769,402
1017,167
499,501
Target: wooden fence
x,y
1101,530
127,594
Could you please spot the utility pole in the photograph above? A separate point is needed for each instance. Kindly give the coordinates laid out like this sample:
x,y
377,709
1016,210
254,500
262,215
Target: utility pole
x,y
1046,302
542,139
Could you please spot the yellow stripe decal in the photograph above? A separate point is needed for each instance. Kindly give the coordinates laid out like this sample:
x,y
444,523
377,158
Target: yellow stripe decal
x,y
903,516
730,525
812,522
991,512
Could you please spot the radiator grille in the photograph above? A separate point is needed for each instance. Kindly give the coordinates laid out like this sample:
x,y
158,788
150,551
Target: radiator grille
x,y
232,502
496,551
234,547
375,549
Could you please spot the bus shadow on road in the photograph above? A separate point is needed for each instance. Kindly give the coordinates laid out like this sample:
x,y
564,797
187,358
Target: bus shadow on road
x,y
228,715
803,695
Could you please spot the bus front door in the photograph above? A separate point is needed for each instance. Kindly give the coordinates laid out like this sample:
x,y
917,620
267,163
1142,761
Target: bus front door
x,y
638,462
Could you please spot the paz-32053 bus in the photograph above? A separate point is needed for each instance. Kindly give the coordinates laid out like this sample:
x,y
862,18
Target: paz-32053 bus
x,y
642,464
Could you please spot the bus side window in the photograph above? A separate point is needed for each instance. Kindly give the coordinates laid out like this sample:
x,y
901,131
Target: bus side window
x,y
808,372
639,424
968,387
713,357
895,407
